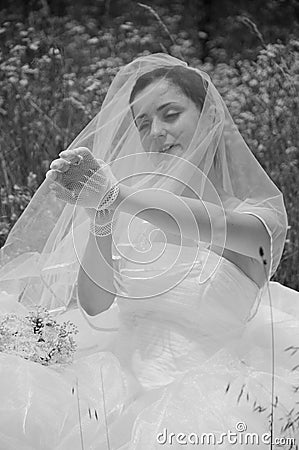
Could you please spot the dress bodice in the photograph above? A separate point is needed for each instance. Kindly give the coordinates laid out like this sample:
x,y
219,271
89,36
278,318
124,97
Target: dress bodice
x,y
173,320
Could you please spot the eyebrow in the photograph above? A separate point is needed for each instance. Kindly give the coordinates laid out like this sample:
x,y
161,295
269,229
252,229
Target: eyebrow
x,y
158,109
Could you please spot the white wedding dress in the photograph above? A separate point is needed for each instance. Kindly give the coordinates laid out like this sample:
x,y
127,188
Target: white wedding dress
x,y
196,359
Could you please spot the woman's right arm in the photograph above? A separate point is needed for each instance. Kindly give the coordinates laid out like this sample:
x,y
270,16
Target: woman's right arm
x,y
95,278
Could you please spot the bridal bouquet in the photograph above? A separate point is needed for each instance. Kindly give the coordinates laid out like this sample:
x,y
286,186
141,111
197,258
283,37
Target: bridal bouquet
x,y
38,337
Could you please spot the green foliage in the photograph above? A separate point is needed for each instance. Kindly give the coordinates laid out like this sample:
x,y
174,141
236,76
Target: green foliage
x,y
262,96
55,71
13,202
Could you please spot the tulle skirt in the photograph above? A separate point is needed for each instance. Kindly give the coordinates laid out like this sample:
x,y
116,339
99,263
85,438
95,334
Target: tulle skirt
x,y
98,402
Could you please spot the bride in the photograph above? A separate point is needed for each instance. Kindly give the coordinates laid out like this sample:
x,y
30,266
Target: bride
x,y
157,233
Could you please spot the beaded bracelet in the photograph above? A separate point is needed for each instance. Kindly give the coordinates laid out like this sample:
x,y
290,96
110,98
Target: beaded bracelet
x,y
109,198
106,228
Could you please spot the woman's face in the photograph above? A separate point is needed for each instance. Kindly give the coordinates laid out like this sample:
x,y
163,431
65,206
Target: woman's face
x,y
166,119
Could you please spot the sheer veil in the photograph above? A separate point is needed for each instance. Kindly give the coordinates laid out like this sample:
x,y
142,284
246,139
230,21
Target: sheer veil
x,y
41,258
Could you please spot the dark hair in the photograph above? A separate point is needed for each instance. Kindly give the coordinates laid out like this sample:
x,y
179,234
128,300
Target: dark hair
x,y
189,81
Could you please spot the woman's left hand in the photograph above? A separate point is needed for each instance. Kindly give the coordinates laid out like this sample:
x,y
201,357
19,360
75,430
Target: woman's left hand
x,y
79,178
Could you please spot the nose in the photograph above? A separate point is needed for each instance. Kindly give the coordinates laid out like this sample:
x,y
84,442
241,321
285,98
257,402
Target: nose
x,y
157,129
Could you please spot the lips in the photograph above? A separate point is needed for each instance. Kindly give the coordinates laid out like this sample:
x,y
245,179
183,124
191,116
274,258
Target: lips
x,y
167,147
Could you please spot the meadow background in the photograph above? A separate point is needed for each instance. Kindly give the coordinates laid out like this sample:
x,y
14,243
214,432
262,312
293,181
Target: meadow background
x,y
57,59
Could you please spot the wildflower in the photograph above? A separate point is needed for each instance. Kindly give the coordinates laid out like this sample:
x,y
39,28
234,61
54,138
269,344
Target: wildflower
x,y
23,82
93,40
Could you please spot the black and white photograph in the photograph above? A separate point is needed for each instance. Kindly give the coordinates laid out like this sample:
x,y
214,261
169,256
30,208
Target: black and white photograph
x,y
149,224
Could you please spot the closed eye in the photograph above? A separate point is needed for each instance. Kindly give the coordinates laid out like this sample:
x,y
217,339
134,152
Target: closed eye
x,y
172,116
142,126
